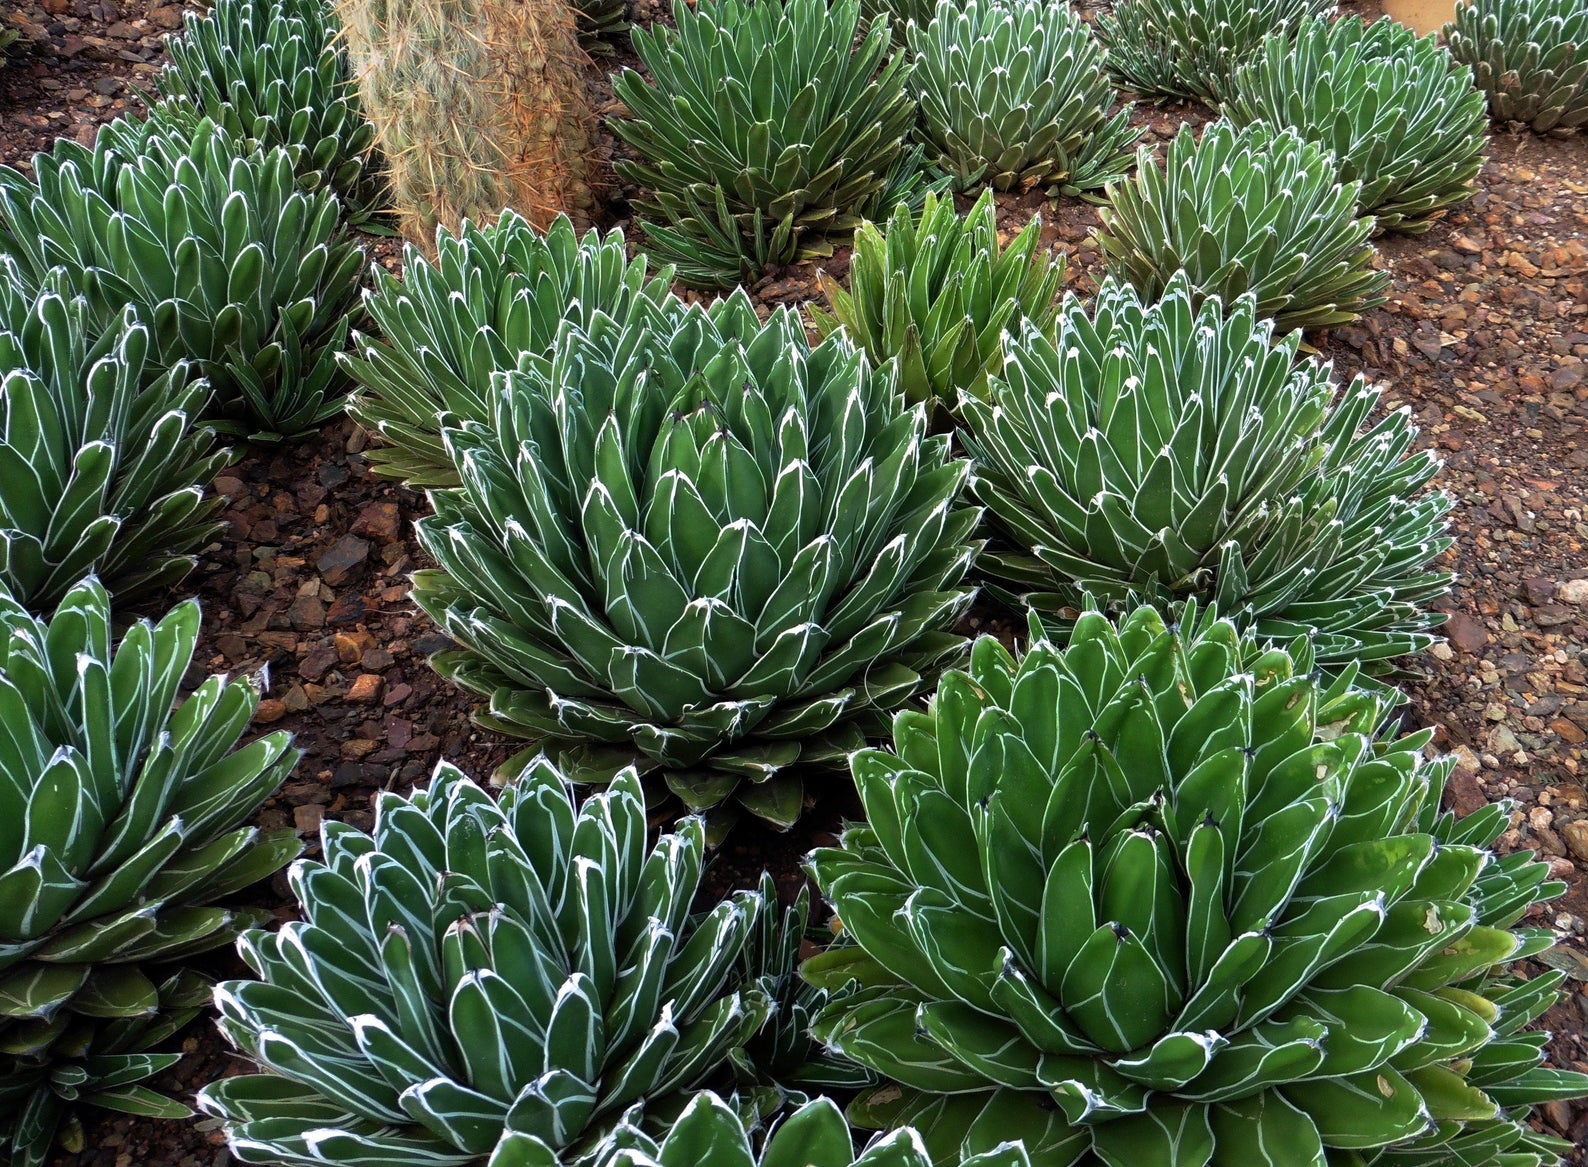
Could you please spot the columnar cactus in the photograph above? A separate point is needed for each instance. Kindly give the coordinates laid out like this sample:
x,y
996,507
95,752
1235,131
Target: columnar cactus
x,y
478,105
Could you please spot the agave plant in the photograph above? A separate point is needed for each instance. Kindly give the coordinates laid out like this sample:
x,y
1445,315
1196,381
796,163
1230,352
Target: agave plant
x,y
492,295
484,979
1529,57
120,815
783,1059
1253,210
763,128
707,546
1191,48
271,73
1156,453
227,262
1389,106
102,463
710,1131
898,15
1164,897
937,294
1013,95
600,19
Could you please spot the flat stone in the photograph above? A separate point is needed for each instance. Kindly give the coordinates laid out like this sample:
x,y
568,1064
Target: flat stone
x,y
1575,836
380,521
345,555
306,612
1465,633
308,817
1540,589
365,689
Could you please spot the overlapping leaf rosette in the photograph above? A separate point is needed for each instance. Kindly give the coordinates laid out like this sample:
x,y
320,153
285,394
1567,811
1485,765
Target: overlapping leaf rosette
x,y
228,262
121,838
1530,58
698,543
1246,210
712,1132
1013,95
759,129
1392,109
1164,897
1160,452
1190,48
272,73
491,294
483,981
103,458
939,293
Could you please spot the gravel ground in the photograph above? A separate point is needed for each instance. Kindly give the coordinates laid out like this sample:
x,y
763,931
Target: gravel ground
x,y
1485,339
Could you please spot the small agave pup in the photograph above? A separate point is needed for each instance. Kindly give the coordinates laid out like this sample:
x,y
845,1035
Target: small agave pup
x,y
784,1056
120,833
697,541
1166,898
484,981
1157,453
938,294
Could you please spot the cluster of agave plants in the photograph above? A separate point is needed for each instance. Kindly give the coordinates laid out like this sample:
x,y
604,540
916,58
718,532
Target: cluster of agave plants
x,y
1169,885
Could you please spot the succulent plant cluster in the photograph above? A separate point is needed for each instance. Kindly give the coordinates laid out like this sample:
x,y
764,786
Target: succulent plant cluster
x,y
1529,57
103,461
937,294
121,832
1165,889
270,72
1159,453
1388,105
697,543
1191,48
1164,897
1254,210
760,129
226,261
1013,94
491,296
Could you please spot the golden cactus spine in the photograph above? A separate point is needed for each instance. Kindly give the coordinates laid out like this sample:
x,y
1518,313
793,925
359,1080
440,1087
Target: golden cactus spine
x,y
477,105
